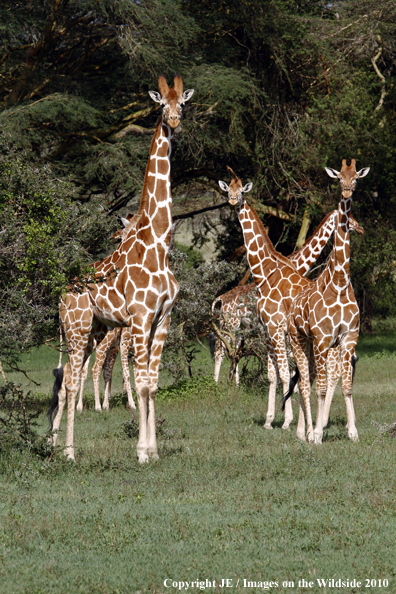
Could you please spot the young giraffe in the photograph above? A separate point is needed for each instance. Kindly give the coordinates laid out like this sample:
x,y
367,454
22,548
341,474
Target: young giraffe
x,y
232,304
326,315
139,291
116,339
106,352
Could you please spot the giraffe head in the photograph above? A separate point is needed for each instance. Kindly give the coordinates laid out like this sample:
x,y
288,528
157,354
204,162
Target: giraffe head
x,y
235,190
348,176
171,99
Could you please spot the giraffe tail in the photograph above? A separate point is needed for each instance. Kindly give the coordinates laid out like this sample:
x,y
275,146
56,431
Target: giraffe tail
x,y
212,343
58,373
355,359
292,385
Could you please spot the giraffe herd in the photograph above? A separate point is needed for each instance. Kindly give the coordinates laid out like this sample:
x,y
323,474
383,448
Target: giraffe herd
x,y
130,299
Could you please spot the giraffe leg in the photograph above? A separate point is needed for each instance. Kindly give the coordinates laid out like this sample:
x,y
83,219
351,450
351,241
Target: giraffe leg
x,y
100,358
237,375
72,381
108,366
347,352
333,375
84,375
320,354
301,351
278,340
272,378
126,340
140,332
59,410
219,355
155,359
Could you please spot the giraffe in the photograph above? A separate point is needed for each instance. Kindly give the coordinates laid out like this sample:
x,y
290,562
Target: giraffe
x,y
116,340
233,303
139,289
108,349
326,315
277,281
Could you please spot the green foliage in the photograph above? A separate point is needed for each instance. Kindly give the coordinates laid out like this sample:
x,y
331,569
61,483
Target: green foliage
x,y
18,422
190,389
192,312
47,238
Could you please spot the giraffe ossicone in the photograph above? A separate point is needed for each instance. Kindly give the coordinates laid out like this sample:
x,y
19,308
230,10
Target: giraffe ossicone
x,y
140,296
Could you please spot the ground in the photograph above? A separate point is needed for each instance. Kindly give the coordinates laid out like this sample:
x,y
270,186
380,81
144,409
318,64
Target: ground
x,y
226,500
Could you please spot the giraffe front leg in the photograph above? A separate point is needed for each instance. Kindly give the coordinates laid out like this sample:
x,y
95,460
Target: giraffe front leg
x,y
155,359
126,341
59,410
320,353
278,340
84,375
219,354
272,378
347,353
140,337
301,352
108,374
333,375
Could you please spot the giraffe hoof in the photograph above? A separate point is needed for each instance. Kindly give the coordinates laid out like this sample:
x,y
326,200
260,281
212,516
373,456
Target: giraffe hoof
x,y
268,425
301,436
318,438
310,437
143,458
98,409
131,405
69,453
154,456
79,408
353,435
286,426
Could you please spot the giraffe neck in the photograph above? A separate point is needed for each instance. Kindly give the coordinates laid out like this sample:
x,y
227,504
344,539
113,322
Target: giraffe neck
x,y
339,263
306,256
155,212
261,254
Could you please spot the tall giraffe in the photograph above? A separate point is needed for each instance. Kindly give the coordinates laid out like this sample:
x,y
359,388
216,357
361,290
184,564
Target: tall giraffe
x,y
277,282
139,290
233,303
325,315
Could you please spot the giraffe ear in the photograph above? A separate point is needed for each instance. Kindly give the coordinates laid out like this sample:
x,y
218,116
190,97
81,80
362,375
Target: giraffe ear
x,y
187,95
363,172
124,222
223,186
247,188
155,96
332,172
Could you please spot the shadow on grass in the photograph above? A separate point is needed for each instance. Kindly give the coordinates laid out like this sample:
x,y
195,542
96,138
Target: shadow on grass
x,y
336,430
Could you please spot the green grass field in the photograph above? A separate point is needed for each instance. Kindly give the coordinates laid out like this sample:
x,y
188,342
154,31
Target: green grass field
x,y
226,500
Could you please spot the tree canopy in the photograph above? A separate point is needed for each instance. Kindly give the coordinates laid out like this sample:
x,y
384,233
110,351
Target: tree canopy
x,y
282,89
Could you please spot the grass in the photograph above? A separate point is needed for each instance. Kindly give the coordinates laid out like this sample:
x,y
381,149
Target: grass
x,y
227,499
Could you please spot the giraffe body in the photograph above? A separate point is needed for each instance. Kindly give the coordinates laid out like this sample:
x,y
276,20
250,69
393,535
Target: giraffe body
x,y
326,315
139,290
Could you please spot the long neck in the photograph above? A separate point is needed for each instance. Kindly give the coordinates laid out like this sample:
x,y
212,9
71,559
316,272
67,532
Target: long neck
x,y
339,263
261,254
307,255
156,204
